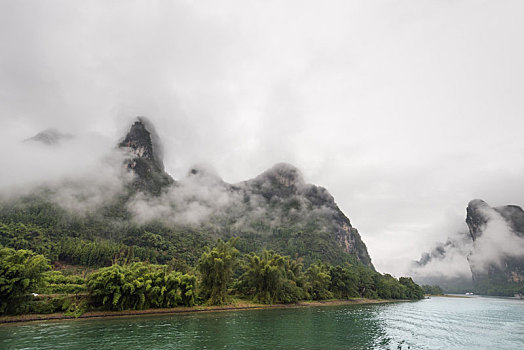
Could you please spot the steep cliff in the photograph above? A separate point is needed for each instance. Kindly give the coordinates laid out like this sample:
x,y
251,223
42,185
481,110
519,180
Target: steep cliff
x,y
145,158
487,258
497,257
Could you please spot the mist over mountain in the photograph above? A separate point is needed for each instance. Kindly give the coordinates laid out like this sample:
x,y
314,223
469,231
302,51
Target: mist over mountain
x,y
50,137
128,200
488,258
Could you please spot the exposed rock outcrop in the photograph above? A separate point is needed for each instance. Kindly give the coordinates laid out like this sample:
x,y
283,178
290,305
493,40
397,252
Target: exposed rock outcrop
x,y
145,158
487,258
498,245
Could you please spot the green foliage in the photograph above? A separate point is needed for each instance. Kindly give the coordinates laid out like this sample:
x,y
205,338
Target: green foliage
x,y
344,281
21,272
309,241
96,238
319,280
294,287
80,252
26,236
389,287
414,291
359,281
497,286
272,278
433,290
57,283
216,267
139,286
46,304
367,279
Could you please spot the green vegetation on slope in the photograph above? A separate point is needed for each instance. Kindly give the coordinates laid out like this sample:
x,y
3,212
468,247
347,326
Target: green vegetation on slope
x,y
95,239
108,235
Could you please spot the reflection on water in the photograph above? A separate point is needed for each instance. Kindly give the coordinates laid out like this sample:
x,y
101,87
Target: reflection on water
x,y
438,323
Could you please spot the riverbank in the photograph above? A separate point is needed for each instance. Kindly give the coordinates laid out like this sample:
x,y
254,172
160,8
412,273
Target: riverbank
x,y
244,305
454,296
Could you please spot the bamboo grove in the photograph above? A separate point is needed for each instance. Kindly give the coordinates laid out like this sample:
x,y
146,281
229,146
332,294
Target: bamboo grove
x,y
28,284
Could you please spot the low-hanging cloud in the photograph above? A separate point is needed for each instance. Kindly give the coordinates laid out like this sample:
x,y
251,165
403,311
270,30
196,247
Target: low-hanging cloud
x,y
80,173
203,199
446,261
192,201
460,258
497,243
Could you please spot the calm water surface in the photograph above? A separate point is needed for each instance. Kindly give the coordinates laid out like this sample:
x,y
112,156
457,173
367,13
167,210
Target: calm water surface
x,y
437,323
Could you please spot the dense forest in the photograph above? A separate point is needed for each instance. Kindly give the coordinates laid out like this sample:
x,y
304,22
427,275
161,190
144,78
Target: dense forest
x,y
108,235
221,274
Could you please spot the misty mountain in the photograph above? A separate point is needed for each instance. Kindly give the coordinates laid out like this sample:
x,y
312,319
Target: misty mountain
x,y
145,157
276,203
50,137
497,258
137,210
488,258
446,265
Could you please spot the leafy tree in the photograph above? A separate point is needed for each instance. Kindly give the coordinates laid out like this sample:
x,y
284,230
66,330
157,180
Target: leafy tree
x,y
344,281
139,286
414,291
388,287
318,278
295,284
216,267
366,282
264,276
21,272
272,278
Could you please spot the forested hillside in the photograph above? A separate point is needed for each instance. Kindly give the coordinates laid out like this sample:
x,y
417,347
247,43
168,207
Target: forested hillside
x,y
148,216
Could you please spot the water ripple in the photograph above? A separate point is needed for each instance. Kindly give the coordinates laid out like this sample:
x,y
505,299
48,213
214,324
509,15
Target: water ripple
x,y
438,323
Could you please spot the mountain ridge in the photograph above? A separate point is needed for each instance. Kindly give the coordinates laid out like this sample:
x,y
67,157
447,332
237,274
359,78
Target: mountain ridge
x,y
166,218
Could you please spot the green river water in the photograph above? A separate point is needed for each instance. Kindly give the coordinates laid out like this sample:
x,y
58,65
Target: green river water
x,y
436,323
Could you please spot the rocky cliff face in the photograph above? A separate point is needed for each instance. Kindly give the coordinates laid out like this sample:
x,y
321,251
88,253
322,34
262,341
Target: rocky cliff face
x,y
487,258
498,245
476,218
145,158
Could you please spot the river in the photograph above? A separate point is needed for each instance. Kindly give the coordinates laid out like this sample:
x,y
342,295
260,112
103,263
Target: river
x,y
436,323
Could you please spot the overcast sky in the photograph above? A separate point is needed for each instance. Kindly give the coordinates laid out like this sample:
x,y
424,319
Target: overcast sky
x,y
403,110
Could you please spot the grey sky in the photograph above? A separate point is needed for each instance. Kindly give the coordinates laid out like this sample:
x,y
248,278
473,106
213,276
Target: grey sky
x,y
403,110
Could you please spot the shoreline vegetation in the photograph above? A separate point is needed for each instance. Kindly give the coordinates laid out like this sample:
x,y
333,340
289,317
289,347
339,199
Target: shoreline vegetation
x,y
235,306
452,296
223,278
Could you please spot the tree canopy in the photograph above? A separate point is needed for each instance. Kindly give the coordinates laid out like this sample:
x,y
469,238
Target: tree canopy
x,y
216,267
21,272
